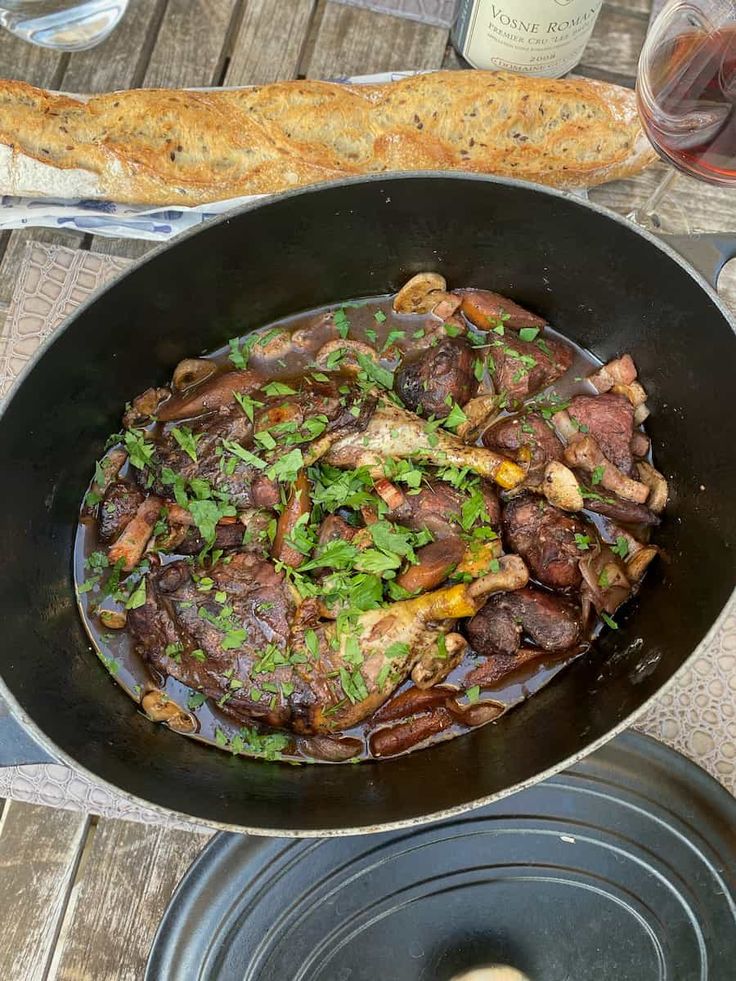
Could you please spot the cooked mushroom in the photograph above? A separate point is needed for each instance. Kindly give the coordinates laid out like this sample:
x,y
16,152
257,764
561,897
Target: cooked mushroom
x,y
480,412
351,350
160,708
561,488
109,467
272,344
658,489
213,393
476,713
145,406
389,493
641,413
415,296
485,309
191,371
132,542
113,619
436,663
432,382
620,371
587,455
604,579
332,749
639,562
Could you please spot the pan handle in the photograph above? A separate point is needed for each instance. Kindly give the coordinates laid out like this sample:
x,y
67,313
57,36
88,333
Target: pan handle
x,y
707,252
17,747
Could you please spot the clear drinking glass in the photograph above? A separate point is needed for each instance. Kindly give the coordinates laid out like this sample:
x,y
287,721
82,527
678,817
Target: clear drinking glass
x,y
686,88
65,25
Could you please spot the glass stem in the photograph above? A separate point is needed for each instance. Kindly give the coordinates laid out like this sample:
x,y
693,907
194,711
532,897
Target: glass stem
x,y
646,216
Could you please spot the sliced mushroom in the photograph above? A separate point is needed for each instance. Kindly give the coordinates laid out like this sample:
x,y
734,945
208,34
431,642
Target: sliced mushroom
x,y
436,663
113,619
272,344
639,562
212,394
160,708
480,412
604,580
351,349
640,444
415,296
192,371
332,749
620,371
145,406
131,544
641,413
634,392
587,455
561,488
658,489
476,713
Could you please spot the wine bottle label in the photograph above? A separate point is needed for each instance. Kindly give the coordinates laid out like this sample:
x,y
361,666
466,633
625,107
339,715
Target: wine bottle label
x,y
534,37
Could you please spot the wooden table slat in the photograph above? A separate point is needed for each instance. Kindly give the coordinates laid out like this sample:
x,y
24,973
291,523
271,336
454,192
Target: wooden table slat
x,y
126,880
355,41
268,44
190,43
39,851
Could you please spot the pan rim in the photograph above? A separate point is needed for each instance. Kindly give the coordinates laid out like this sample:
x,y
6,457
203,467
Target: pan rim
x,y
59,755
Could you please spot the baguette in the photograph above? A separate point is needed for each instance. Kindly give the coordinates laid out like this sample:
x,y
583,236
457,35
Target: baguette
x,y
190,147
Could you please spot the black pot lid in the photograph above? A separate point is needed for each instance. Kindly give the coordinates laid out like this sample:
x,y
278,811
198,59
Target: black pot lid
x,y
623,867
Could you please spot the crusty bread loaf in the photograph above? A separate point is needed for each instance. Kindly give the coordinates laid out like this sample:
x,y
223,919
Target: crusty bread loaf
x,y
168,146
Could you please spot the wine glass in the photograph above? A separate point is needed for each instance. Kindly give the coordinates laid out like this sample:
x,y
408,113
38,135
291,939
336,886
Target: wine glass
x,y
63,25
686,88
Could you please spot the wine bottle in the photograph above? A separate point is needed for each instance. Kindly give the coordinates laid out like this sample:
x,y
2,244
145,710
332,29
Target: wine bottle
x,y
533,37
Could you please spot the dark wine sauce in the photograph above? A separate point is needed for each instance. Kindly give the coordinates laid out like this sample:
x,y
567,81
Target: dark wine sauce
x,y
115,648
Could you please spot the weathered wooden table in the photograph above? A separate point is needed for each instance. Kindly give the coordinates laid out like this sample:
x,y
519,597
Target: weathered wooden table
x,y
80,897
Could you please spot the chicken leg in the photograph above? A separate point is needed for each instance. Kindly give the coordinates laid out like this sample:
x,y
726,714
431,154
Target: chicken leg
x,y
394,432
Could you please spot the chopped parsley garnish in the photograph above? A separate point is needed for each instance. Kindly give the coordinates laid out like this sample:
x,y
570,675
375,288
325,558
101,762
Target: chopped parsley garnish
x,y
375,372
456,417
597,475
621,548
137,597
582,542
341,322
139,451
187,440
609,621
195,700
247,404
236,356
379,316
278,388
473,693
528,334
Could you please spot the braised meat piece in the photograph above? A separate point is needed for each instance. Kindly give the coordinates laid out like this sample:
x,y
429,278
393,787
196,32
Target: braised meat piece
x,y
232,651
118,508
553,623
529,430
609,419
432,380
522,368
438,508
544,537
227,537
212,446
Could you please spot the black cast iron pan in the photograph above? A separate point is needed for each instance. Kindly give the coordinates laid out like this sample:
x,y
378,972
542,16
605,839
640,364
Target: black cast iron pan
x,y
607,285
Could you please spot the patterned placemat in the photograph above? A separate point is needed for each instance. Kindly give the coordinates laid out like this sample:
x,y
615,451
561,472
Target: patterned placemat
x,y
696,715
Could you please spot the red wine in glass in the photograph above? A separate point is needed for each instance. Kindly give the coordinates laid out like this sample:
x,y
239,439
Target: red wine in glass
x,y
687,88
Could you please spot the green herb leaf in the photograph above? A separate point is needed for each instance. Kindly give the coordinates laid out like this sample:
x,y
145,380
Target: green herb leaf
x,y
139,451
137,597
376,372
621,548
473,694
597,475
528,334
247,404
609,621
278,388
456,417
237,357
187,440
582,542
380,317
